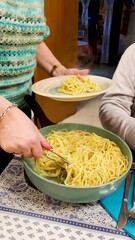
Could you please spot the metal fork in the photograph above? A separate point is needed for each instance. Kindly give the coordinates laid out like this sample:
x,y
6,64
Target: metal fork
x,y
57,162
132,210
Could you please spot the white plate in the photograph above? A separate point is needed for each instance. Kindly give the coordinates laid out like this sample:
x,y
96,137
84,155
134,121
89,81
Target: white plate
x,y
48,88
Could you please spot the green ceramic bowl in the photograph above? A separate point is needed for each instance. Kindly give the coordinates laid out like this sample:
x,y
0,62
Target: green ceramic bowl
x,y
72,193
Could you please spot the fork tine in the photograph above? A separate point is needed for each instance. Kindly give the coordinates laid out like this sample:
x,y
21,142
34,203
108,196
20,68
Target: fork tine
x,y
52,159
65,160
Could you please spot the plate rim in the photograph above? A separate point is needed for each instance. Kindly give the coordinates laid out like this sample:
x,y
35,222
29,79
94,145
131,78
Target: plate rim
x,y
68,97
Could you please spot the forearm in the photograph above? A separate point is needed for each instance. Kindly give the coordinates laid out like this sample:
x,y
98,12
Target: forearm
x,y
117,109
119,122
4,103
7,112
18,134
47,60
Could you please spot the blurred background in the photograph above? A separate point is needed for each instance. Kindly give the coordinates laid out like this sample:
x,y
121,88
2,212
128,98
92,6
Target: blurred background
x,y
105,29
89,34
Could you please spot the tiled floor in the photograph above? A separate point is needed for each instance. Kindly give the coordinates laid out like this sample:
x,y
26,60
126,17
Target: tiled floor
x,y
87,111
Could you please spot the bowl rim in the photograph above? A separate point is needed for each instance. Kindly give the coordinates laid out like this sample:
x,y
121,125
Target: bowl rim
x,y
82,187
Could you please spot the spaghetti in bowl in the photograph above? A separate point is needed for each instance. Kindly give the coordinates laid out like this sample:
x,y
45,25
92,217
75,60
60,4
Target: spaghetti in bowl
x,y
82,181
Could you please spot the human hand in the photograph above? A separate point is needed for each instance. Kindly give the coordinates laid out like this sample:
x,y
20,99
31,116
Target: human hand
x,y
19,135
75,71
47,61
61,70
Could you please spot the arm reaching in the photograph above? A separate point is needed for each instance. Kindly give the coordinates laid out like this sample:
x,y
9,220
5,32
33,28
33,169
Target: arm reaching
x,y
47,60
18,134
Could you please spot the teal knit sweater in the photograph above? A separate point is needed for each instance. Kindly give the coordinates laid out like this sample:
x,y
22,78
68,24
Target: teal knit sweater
x,y
22,28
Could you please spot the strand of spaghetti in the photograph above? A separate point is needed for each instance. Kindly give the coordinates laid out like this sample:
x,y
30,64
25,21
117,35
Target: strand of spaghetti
x,y
78,84
96,162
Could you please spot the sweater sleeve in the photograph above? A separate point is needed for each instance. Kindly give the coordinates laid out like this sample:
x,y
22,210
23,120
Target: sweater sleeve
x,y
117,109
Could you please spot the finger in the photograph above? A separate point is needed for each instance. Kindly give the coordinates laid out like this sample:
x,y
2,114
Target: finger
x,y
44,142
27,154
75,71
84,71
24,151
37,151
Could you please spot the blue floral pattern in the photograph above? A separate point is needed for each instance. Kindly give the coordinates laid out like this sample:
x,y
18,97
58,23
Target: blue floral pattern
x,y
26,213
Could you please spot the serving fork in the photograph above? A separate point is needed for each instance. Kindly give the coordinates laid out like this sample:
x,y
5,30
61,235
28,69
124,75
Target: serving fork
x,y
57,162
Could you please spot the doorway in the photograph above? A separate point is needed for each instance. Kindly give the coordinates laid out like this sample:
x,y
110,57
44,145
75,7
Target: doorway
x,y
103,31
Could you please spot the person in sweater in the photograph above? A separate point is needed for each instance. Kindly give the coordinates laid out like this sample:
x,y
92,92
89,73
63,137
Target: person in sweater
x,y
117,109
23,30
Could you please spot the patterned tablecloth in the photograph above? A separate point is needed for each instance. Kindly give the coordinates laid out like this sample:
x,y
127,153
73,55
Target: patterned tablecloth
x,y
26,213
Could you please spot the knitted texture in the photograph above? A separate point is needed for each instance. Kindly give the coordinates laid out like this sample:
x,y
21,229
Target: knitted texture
x,y
22,28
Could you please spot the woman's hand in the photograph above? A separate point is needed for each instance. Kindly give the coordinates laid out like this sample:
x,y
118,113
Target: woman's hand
x,y
19,135
75,71
47,60
61,70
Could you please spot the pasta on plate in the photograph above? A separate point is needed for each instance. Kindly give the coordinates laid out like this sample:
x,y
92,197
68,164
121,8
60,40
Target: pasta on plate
x,y
94,160
78,84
